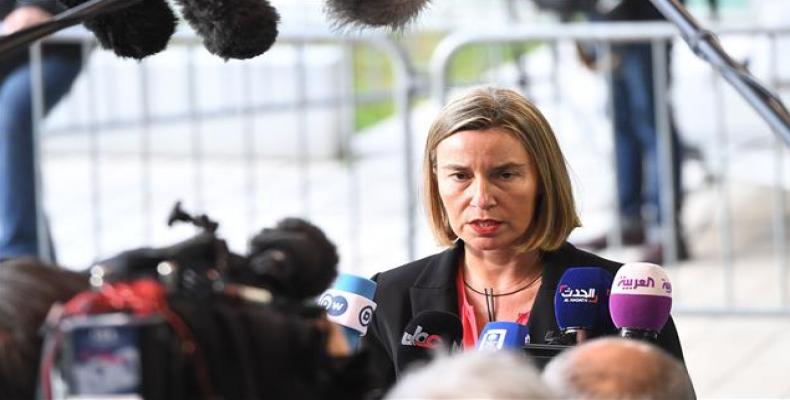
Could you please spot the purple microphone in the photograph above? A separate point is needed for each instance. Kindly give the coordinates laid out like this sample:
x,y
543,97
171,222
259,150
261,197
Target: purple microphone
x,y
640,300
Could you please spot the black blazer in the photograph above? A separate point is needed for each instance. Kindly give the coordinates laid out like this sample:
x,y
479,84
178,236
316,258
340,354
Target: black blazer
x,y
429,284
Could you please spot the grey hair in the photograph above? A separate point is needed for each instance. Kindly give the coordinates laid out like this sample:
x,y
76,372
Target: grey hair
x,y
614,368
474,375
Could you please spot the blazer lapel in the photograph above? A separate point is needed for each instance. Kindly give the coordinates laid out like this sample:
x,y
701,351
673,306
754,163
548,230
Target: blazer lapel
x,y
434,289
542,322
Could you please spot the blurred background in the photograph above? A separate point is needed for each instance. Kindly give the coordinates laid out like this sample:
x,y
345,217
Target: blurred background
x,y
329,125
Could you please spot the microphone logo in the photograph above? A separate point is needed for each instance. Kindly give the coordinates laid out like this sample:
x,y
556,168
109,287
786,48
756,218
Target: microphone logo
x,y
420,339
625,283
571,295
666,286
494,339
337,305
365,315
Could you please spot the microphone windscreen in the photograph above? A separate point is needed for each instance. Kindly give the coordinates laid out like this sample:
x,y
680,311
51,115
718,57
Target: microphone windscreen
x,y
427,333
500,335
295,258
581,298
391,13
641,297
136,32
237,29
349,303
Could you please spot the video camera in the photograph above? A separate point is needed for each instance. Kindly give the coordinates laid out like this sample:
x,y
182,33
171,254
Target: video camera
x,y
195,320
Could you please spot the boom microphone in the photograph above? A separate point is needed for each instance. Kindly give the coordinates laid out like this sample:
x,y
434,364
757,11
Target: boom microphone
x,y
349,303
580,302
138,31
233,28
499,335
427,333
641,300
391,13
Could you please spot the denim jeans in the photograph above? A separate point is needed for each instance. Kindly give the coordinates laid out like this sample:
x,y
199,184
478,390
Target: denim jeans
x,y
636,138
18,228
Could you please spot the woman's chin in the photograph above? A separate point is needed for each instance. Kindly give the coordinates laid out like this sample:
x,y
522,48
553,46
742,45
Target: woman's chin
x,y
487,243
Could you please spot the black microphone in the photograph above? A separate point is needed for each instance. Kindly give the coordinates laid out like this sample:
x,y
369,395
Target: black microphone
x,y
426,334
233,28
391,13
294,259
137,31
73,16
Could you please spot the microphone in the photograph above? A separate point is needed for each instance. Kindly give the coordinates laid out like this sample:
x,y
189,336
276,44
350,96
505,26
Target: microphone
x,y
294,259
641,300
349,303
429,332
499,335
393,14
580,302
237,29
137,31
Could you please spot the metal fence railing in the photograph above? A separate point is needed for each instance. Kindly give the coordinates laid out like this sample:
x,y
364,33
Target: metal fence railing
x,y
722,150
246,142
251,142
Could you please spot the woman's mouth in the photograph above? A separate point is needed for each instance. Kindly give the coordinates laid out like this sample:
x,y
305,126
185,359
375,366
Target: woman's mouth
x,y
485,226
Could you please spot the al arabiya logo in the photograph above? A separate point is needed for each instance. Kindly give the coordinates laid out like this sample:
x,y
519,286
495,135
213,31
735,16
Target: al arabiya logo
x,y
336,305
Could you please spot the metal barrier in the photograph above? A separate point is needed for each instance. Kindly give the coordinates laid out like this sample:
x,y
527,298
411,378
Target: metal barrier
x,y
298,104
253,202
658,34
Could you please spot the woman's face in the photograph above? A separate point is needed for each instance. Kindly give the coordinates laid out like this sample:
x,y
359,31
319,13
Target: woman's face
x,y
488,186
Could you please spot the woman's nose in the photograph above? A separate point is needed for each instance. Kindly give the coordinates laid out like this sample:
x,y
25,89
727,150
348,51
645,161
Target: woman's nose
x,y
482,196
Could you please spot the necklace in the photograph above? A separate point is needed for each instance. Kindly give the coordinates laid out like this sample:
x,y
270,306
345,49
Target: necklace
x,y
490,296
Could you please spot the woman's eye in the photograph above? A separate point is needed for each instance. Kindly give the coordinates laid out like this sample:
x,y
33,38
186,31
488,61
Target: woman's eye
x,y
507,175
459,176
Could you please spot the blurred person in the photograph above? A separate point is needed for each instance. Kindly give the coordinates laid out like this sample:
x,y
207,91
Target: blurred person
x,y
474,375
28,288
636,139
498,196
614,368
60,66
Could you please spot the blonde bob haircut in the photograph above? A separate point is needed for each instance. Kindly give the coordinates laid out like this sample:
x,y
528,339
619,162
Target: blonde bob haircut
x,y
487,108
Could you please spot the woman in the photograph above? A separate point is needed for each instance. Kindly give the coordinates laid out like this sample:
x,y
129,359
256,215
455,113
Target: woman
x,y
497,193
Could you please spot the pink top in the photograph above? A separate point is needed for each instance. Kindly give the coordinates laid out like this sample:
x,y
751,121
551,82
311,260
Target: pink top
x,y
467,314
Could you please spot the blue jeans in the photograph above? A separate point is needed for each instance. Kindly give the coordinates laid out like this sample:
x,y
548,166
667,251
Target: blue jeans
x,y
18,228
636,138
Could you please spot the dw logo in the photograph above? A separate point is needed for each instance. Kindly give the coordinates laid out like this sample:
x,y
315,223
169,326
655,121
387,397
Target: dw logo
x,y
365,315
335,305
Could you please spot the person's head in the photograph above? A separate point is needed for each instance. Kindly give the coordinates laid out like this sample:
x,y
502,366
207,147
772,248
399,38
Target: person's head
x,y
28,288
494,175
614,368
473,375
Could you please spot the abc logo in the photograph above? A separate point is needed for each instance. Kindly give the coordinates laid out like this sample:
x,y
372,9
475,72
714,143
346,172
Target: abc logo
x,y
365,315
335,305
